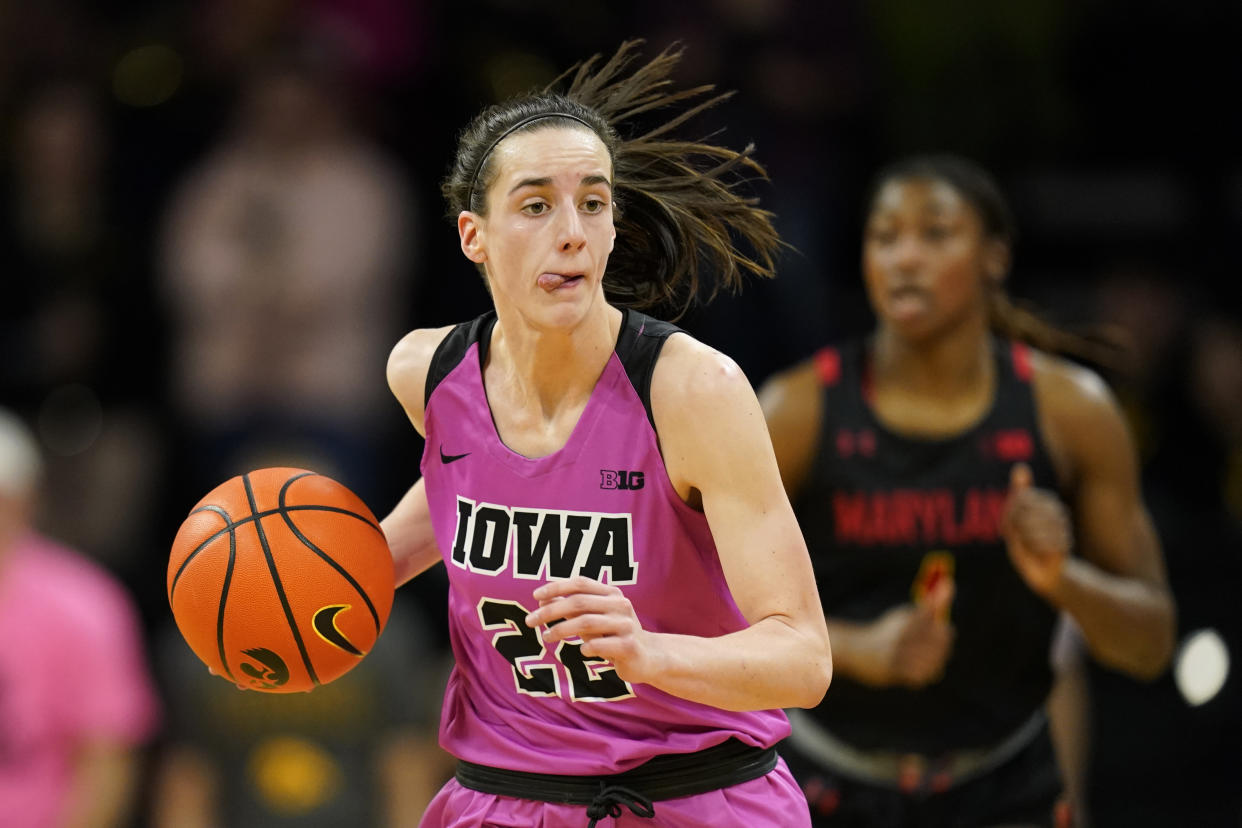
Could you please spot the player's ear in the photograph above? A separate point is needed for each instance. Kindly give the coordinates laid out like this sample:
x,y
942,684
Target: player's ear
x,y
469,228
996,261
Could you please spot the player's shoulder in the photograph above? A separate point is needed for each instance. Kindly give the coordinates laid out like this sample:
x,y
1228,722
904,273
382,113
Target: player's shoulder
x,y
408,365
416,348
796,383
1068,386
1081,417
692,373
800,385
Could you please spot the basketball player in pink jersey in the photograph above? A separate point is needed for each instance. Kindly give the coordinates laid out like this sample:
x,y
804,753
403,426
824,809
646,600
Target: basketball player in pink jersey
x,y
631,601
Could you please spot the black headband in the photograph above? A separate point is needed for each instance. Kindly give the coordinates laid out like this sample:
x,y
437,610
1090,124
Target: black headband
x,y
474,179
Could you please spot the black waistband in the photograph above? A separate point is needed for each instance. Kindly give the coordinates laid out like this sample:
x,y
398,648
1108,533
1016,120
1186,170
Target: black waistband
x,y
664,777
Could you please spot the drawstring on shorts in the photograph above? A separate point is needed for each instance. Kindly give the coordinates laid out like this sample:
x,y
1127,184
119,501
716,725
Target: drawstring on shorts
x,y
608,802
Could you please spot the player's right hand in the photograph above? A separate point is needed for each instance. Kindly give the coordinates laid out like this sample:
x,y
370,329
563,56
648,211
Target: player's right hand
x,y
912,643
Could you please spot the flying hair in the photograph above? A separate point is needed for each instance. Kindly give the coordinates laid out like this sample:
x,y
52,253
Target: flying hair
x,y
685,228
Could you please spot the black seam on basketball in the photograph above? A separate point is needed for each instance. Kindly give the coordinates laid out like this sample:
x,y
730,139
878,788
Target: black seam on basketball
x,y
252,518
280,589
324,555
228,523
224,597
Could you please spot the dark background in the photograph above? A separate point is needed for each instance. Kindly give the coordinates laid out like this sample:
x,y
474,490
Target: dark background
x,y
1113,126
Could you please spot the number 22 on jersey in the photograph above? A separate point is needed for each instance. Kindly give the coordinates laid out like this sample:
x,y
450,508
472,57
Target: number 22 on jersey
x,y
589,679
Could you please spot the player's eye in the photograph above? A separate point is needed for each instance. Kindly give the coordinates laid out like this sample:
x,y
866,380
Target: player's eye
x,y
535,208
594,204
881,235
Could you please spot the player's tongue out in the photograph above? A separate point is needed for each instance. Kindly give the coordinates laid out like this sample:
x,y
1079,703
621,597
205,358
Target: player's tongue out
x,y
551,281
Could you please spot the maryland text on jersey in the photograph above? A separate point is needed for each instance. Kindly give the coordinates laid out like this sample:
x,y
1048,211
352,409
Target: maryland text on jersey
x,y
918,516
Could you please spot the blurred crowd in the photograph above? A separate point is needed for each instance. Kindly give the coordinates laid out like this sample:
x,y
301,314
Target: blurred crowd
x,y
219,215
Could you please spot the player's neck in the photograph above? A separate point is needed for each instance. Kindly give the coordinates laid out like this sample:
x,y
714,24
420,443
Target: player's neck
x,y
547,370
955,363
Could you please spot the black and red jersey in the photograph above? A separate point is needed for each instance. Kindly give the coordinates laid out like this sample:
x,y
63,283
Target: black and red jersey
x,y
886,515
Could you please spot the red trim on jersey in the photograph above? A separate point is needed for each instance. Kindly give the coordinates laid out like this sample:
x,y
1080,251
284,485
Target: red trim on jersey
x,y
828,365
1021,361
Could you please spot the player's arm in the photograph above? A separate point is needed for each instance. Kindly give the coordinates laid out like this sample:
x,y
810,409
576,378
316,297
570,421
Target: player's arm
x,y
907,645
1116,590
411,537
408,526
715,448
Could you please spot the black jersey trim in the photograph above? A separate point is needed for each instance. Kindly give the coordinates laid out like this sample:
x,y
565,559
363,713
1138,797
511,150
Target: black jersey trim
x,y
849,400
452,349
639,343
670,776
638,347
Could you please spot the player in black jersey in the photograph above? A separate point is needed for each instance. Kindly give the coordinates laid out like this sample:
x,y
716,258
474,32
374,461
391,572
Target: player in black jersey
x,y
959,486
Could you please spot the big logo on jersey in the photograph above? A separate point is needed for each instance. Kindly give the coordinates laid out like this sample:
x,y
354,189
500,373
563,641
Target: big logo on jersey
x,y
543,543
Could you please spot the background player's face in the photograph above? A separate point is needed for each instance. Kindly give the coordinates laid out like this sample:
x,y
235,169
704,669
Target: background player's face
x,y
925,257
549,229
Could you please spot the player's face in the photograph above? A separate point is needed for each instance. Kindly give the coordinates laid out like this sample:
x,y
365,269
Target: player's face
x,y
549,229
925,257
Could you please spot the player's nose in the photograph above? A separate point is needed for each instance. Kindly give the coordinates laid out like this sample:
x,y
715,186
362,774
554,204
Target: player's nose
x,y
571,234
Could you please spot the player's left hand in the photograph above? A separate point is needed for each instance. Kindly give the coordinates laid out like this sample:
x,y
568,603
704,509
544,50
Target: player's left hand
x,y
1037,531
598,614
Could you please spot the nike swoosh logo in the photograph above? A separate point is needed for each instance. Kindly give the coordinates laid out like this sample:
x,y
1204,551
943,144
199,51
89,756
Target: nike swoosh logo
x,y
324,622
451,458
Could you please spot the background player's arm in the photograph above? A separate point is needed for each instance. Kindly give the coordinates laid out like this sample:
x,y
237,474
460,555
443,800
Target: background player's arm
x,y
408,526
907,645
716,448
1116,591
792,403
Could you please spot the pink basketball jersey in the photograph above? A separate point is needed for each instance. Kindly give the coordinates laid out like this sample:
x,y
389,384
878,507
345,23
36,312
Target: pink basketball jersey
x,y
601,506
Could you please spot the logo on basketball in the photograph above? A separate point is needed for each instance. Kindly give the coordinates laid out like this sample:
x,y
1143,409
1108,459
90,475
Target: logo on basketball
x,y
325,625
272,672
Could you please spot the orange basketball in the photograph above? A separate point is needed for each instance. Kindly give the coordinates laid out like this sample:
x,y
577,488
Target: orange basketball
x,y
280,580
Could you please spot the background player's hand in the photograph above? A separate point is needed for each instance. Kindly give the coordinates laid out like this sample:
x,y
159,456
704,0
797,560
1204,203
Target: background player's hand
x,y
912,642
598,614
1037,532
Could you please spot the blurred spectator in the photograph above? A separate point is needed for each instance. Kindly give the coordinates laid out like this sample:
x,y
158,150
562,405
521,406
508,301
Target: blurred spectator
x,y
76,326
286,263
798,70
358,751
379,40
77,701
